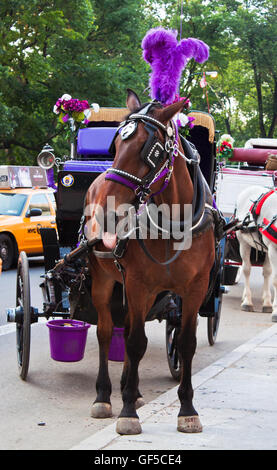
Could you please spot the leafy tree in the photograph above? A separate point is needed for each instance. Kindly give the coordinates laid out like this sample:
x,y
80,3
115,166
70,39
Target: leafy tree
x,y
254,29
90,49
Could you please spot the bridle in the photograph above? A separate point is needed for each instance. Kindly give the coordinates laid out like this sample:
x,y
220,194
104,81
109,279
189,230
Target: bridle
x,y
157,156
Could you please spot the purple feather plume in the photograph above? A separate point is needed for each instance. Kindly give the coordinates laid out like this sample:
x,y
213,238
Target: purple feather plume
x,y
167,58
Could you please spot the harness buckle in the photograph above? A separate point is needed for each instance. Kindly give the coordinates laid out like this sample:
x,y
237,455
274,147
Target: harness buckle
x,y
169,145
170,171
142,190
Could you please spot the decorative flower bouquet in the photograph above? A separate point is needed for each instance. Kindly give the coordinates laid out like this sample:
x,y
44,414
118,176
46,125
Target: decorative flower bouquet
x,y
225,147
75,113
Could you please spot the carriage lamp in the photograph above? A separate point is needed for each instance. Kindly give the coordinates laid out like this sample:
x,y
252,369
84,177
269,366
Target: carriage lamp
x,y
46,159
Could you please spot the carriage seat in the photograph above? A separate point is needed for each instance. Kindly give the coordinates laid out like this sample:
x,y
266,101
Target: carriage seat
x,y
253,156
95,141
94,166
93,150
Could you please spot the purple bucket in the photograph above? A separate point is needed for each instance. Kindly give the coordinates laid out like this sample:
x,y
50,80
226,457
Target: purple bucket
x,y
117,346
67,339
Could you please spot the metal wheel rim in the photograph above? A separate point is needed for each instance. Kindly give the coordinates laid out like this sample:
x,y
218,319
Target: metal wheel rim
x,y
213,322
171,351
23,331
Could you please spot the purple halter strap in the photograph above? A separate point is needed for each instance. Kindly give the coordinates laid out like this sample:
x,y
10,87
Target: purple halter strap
x,y
116,178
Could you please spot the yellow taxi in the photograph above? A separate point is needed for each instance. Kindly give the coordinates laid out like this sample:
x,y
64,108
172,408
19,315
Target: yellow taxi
x,y
23,212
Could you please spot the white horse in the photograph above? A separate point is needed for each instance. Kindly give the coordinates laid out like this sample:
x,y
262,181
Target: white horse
x,y
249,240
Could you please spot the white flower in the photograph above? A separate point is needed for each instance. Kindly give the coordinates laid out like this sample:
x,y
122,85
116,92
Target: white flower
x,y
95,107
87,113
183,119
66,97
55,110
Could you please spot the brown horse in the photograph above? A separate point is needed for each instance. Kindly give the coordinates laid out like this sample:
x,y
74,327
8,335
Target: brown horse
x,y
187,276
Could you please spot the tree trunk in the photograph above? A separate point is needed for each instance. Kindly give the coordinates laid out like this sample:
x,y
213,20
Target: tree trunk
x,y
258,84
274,117
228,126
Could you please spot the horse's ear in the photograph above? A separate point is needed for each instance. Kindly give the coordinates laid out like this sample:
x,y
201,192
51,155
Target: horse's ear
x,y
132,101
167,113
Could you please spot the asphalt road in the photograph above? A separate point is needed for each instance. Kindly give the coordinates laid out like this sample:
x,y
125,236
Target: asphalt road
x,y
51,410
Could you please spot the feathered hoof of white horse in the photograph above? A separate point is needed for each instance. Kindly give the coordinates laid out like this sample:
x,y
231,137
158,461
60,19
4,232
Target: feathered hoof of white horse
x,y
247,308
139,403
101,410
274,317
189,424
128,426
267,309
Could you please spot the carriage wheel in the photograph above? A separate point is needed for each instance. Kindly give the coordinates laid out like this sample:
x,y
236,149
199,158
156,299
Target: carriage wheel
x,y
171,334
23,328
213,322
216,298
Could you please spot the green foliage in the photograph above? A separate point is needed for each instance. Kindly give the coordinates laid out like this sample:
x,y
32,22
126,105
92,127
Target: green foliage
x,y
91,49
49,48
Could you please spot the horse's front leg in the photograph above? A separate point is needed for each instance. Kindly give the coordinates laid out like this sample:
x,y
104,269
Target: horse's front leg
x,y
139,401
272,254
245,250
101,294
136,343
188,419
267,304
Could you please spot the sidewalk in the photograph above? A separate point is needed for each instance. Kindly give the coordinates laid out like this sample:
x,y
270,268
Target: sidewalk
x,y
236,398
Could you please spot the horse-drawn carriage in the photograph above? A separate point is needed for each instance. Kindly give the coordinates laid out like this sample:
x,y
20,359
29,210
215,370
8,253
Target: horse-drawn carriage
x,y
249,168
247,192
66,289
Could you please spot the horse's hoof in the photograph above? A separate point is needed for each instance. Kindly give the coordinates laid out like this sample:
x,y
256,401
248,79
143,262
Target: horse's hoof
x,y
247,308
274,317
139,403
189,424
101,410
128,426
267,309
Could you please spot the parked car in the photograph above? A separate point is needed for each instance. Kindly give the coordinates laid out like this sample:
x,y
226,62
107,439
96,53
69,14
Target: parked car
x,y
23,212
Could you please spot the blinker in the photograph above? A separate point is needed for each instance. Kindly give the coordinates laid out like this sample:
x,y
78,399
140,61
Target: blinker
x,y
153,151
128,130
125,131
